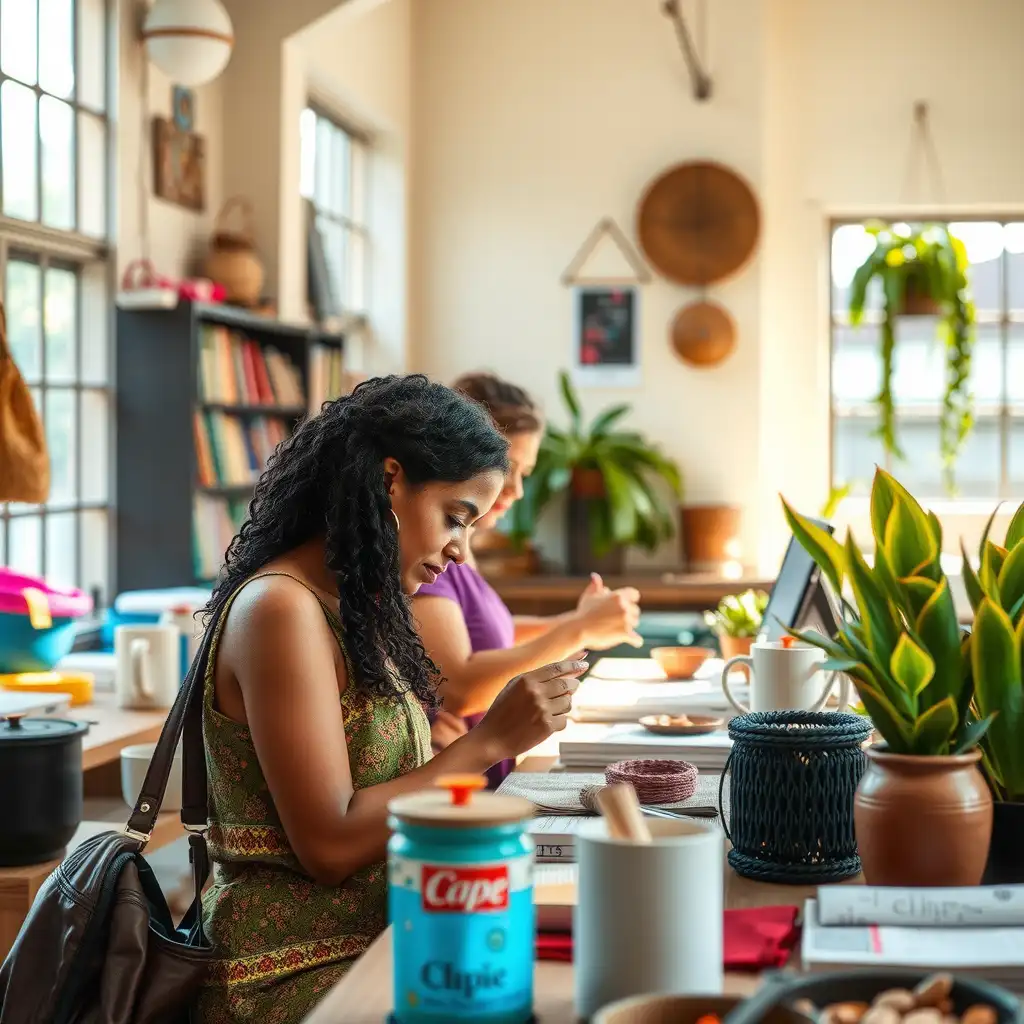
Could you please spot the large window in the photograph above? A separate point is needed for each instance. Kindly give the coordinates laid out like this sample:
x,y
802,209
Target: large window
x,y
992,461
54,189
333,178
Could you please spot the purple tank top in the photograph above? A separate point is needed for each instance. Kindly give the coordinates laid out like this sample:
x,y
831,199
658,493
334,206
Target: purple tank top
x,y
488,622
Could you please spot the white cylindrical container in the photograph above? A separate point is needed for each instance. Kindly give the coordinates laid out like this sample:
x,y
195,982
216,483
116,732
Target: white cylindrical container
x,y
649,916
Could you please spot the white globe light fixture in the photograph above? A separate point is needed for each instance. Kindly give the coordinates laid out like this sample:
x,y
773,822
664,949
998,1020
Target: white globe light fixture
x,y
189,40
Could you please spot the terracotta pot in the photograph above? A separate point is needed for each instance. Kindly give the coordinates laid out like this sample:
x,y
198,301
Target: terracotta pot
x,y
1005,862
917,301
733,646
585,488
923,821
587,483
709,535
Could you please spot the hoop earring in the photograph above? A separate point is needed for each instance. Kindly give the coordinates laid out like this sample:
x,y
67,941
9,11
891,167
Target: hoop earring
x,y
398,525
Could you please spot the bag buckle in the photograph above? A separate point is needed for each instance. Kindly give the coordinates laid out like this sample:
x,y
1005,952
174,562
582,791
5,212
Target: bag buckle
x,y
142,837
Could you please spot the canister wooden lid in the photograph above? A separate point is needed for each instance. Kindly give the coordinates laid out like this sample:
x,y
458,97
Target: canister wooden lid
x,y
455,803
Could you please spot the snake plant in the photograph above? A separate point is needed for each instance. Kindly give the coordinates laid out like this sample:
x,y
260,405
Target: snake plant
x,y
924,263
928,687
634,476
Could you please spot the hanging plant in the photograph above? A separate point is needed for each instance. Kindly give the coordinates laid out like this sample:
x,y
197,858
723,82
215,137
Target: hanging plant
x,y
922,271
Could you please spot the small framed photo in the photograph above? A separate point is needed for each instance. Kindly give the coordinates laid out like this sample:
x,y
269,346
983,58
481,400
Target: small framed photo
x,y
606,344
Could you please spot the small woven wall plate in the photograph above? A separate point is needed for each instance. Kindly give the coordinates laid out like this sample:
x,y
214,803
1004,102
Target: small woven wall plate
x,y
703,334
681,725
698,223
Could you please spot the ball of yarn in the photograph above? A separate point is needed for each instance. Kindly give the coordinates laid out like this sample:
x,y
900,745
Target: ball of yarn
x,y
655,782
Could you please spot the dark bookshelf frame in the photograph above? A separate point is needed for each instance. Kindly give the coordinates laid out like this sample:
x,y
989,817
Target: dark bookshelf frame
x,y
156,471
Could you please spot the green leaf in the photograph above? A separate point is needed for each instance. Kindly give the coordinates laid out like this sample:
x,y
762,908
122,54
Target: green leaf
x,y
970,736
909,542
883,497
1011,578
936,529
881,633
971,582
605,419
887,720
1015,531
819,544
992,558
911,666
571,401
987,530
938,629
934,729
919,590
838,665
621,505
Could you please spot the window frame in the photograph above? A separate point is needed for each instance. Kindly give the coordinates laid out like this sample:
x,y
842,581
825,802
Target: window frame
x,y
37,243
1003,415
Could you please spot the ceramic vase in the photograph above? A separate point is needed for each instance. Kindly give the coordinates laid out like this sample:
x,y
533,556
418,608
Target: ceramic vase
x,y
922,821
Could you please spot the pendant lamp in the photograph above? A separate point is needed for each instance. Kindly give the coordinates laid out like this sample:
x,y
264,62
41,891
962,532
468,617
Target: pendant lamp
x,y
189,40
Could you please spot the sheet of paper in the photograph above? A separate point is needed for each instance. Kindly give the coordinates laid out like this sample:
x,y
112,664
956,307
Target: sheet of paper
x,y
982,906
556,874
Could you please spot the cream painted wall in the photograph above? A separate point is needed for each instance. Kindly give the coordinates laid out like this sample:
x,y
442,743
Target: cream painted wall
x,y
531,122
177,236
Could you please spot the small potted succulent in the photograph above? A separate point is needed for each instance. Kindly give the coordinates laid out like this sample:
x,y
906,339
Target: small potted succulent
x,y
923,810
737,621
996,592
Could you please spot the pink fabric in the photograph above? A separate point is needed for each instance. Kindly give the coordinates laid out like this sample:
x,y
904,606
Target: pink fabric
x,y
65,603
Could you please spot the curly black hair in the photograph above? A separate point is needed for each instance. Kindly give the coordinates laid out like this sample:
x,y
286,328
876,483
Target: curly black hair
x,y
327,479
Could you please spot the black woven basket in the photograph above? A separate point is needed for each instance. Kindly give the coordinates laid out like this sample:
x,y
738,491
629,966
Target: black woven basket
x,y
793,775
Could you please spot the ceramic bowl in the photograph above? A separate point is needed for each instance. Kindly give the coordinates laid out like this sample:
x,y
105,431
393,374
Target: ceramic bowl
x,y
681,662
683,1010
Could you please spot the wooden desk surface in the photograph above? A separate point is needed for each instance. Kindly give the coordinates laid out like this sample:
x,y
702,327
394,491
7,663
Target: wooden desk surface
x,y
364,995
111,728
544,595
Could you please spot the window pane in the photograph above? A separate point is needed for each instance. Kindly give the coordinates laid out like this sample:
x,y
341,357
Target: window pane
x,y
855,367
60,324
855,452
94,545
919,370
95,434
322,186
95,326
1013,237
986,380
851,246
356,272
92,176
57,47
1015,363
358,167
60,438
25,544
307,153
18,39
62,549
339,166
983,241
921,471
57,130
1016,457
23,301
334,250
92,45
18,138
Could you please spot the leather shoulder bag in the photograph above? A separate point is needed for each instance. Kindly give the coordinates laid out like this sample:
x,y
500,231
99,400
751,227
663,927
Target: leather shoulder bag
x,y
99,945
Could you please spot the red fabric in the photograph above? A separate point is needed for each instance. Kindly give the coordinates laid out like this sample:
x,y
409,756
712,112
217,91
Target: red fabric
x,y
752,940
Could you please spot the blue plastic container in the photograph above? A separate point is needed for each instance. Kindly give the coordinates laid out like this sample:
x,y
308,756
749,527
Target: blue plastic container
x,y
28,646
460,872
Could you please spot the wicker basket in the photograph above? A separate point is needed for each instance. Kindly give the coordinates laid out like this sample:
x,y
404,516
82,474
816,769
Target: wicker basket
x,y
793,775
232,260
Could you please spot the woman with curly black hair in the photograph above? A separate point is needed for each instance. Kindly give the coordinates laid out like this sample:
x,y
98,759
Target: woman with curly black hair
x,y
317,681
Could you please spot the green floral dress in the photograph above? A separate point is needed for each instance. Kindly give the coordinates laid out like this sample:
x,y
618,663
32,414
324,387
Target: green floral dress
x,y
282,939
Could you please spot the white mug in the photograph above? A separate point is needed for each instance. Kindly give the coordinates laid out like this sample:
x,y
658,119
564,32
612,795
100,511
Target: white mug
x,y
648,916
785,678
148,665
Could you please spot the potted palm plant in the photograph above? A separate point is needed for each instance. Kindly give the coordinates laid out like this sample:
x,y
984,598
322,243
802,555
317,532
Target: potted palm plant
x,y
922,271
737,621
996,592
923,811
616,483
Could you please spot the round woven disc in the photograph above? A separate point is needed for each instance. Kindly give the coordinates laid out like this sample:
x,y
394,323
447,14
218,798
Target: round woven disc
x,y
703,334
698,223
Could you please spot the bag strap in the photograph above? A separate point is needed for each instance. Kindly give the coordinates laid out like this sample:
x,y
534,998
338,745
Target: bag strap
x,y
185,716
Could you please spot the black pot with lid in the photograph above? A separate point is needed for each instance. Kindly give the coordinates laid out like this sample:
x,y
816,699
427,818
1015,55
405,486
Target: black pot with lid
x,y
41,792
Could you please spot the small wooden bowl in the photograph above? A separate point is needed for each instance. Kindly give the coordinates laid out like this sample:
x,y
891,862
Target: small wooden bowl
x,y
681,725
681,662
682,1010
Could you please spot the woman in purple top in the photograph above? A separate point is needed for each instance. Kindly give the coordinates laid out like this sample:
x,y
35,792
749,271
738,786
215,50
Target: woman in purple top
x,y
466,627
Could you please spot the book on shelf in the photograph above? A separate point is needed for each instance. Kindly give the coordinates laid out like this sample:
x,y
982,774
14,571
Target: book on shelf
x,y
215,521
326,375
233,450
237,370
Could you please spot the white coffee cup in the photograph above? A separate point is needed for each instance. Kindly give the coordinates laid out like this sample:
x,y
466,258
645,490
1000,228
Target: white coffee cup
x,y
135,762
648,915
148,665
785,677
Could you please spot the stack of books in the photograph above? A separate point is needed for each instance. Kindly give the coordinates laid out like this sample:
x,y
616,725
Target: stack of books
x,y
236,370
628,741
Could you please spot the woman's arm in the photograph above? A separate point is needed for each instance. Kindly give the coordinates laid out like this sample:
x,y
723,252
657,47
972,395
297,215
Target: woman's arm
x,y
472,680
284,656
528,627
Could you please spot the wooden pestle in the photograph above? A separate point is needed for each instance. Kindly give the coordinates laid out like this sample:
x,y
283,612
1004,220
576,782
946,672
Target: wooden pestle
x,y
621,811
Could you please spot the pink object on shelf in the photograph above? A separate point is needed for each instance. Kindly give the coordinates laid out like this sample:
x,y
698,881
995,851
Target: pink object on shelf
x,y
64,602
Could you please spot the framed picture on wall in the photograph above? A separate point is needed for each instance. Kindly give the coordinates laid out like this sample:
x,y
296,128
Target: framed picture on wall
x,y
606,337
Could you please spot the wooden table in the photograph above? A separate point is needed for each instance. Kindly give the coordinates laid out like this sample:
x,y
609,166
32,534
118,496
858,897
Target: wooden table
x,y
110,729
363,996
665,592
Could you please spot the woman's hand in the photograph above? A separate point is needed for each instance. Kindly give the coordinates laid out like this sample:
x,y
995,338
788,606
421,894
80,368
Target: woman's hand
x,y
608,617
446,729
530,708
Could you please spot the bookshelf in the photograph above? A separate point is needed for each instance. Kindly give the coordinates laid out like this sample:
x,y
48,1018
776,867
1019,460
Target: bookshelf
x,y
204,395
